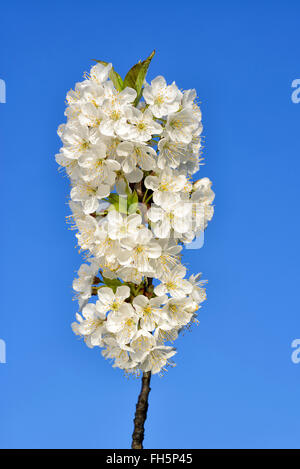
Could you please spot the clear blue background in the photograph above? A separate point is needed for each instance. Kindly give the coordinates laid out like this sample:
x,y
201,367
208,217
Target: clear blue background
x,y
235,385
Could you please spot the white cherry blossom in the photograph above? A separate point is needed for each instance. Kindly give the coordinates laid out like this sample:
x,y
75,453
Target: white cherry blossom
x,y
157,358
171,154
198,293
148,310
166,187
115,302
180,126
121,226
139,250
89,194
91,326
116,111
141,345
100,73
123,323
174,283
178,311
162,98
130,154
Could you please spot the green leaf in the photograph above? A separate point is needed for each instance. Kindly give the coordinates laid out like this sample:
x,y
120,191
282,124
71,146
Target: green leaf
x,y
132,203
132,209
113,198
136,75
142,73
126,205
112,283
133,198
116,79
134,78
118,202
123,204
114,76
132,75
138,98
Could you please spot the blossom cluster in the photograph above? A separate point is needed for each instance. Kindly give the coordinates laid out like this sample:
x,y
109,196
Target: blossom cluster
x,y
131,160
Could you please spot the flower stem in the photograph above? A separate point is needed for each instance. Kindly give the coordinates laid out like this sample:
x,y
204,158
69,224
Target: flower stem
x,y
141,412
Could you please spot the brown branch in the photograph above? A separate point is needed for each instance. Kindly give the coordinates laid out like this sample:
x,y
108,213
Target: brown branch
x,y
141,412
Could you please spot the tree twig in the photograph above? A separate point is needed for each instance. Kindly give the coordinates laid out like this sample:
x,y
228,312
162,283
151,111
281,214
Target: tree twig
x,y
141,412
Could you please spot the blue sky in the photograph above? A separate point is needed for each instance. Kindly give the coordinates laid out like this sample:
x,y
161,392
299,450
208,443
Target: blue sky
x,y
235,385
